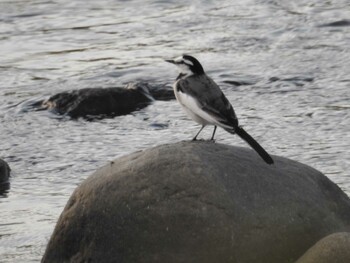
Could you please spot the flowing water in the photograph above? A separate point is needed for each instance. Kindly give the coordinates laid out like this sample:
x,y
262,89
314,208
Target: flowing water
x,y
295,101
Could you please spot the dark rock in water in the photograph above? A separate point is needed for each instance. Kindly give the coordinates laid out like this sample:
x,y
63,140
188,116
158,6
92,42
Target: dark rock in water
x,y
97,102
339,23
334,248
162,92
198,202
106,102
154,92
239,82
4,171
4,176
295,79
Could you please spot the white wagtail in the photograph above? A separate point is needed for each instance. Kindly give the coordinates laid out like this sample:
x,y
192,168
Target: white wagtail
x,y
204,102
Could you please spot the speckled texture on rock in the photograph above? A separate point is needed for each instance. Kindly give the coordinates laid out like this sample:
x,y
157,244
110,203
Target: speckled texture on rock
x,y
198,202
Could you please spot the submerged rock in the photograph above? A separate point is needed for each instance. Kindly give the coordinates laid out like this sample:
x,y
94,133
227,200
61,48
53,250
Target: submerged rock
x,y
198,202
339,23
240,82
160,92
4,176
295,80
106,102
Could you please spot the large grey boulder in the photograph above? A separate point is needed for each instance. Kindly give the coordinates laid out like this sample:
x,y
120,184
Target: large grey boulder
x,y
198,202
4,176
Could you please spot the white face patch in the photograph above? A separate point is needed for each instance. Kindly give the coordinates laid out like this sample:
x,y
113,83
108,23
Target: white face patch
x,y
183,65
184,69
183,60
188,62
178,60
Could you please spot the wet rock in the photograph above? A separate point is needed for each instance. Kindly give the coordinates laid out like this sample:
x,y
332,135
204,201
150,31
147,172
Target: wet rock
x,y
334,248
198,202
339,23
100,102
106,102
292,79
4,176
296,80
154,92
162,92
239,82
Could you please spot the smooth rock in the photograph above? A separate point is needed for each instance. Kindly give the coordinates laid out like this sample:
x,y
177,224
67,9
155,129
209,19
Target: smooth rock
x,y
161,92
105,102
239,82
339,23
198,202
154,92
4,176
334,248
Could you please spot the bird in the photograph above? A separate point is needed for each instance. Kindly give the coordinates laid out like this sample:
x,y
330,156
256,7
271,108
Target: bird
x,y
205,103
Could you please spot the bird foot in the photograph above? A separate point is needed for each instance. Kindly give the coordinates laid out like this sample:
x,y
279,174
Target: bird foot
x,y
197,140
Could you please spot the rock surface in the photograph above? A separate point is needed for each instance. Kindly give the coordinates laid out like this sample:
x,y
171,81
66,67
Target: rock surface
x,y
334,248
4,176
198,202
339,23
105,102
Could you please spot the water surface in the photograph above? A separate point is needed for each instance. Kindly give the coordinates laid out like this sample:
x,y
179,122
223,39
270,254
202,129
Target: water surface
x,y
296,102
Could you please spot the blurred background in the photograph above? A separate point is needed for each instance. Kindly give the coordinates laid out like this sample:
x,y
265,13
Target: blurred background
x,y
291,59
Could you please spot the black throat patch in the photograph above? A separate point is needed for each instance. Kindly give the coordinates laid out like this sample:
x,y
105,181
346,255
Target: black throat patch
x,y
180,76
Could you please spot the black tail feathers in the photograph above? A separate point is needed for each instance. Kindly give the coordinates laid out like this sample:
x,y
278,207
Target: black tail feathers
x,y
253,143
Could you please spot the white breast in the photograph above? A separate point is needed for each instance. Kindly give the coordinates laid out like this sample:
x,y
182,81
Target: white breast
x,y
192,109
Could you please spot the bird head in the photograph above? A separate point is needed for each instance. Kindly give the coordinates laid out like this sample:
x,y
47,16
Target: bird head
x,y
187,65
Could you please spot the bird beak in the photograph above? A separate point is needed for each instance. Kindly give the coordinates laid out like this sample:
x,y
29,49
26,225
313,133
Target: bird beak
x,y
170,61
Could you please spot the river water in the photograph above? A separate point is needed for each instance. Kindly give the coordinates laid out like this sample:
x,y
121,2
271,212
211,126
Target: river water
x,y
295,99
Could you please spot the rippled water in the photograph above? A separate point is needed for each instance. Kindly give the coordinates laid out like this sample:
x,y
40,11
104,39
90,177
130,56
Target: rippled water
x,y
296,101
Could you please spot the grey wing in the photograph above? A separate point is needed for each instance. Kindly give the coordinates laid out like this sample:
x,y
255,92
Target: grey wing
x,y
210,98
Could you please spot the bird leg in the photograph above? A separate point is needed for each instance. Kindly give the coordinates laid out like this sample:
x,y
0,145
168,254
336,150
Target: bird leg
x,y
195,137
212,137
